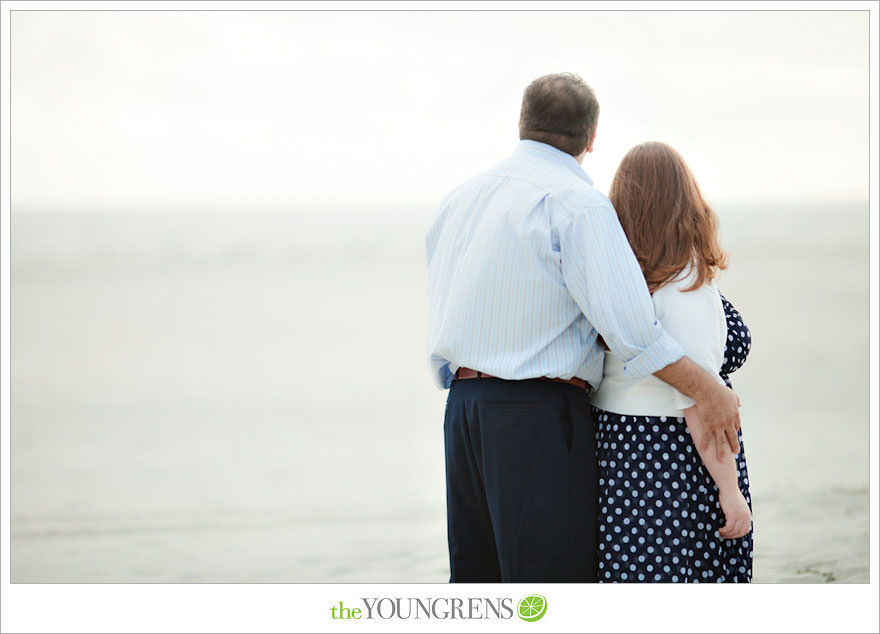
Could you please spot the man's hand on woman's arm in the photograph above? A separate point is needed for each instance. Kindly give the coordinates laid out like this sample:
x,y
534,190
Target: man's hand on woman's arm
x,y
717,405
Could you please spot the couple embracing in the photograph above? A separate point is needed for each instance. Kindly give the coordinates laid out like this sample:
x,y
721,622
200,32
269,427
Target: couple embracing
x,y
590,430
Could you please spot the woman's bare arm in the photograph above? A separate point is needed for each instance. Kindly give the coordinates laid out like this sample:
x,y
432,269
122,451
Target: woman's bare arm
x,y
724,472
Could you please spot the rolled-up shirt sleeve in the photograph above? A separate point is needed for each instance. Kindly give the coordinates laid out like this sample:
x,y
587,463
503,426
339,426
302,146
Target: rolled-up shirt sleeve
x,y
604,278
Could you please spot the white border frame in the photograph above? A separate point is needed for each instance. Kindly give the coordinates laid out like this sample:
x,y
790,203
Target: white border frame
x,y
305,607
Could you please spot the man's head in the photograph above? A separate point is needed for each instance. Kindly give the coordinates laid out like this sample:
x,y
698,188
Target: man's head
x,y
562,111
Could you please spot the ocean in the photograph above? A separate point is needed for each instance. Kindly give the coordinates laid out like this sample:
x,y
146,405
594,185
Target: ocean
x,y
245,397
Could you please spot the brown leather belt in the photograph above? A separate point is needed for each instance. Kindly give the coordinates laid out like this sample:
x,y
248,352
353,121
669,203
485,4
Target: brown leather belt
x,y
467,373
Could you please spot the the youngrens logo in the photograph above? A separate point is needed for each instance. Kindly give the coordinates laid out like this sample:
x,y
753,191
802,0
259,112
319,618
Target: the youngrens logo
x,y
529,608
532,607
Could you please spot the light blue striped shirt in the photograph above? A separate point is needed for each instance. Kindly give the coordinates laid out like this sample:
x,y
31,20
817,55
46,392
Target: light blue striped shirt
x,y
527,264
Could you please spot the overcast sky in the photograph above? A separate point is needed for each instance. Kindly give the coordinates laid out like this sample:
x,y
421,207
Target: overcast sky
x,y
370,110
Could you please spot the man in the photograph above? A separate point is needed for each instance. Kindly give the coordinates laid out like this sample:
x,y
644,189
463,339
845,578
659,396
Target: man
x,y
528,272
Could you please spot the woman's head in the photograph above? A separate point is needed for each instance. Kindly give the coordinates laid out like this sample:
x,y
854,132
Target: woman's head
x,y
668,223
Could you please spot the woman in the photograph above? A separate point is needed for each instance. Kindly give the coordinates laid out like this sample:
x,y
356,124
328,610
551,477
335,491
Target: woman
x,y
669,512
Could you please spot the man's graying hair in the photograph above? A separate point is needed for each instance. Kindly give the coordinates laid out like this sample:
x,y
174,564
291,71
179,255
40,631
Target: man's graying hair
x,y
560,110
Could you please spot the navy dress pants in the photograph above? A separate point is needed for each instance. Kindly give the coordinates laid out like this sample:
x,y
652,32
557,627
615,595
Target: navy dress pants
x,y
521,482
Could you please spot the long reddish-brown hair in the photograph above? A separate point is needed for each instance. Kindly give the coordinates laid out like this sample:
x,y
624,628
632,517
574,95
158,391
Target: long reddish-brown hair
x,y
668,223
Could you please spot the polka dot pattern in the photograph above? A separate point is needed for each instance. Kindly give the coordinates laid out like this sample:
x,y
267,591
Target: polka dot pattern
x,y
658,506
739,342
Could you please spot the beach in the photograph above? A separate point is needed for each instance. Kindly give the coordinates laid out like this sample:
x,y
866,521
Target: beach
x,y
245,397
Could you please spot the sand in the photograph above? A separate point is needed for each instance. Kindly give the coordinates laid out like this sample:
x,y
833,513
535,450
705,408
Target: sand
x,y
245,397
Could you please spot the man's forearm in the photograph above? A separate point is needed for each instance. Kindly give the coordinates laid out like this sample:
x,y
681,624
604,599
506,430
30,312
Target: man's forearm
x,y
688,378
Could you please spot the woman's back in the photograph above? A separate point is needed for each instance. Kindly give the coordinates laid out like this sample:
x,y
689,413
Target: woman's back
x,y
695,319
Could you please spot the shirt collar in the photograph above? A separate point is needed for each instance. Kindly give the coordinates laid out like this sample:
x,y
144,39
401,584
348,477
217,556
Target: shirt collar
x,y
536,148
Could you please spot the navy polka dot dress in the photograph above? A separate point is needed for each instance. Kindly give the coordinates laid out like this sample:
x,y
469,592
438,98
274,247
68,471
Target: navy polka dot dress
x,y
658,506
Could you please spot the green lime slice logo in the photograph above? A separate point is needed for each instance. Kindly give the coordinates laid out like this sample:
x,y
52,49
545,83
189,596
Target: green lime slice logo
x,y
532,607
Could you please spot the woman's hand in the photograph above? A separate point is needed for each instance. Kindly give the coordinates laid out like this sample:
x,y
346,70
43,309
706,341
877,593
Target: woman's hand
x,y
737,515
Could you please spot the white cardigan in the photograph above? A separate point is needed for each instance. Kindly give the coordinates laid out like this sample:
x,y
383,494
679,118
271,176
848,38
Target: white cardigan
x,y
696,320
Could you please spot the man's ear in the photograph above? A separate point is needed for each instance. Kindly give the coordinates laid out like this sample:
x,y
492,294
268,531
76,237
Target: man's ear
x,y
592,140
